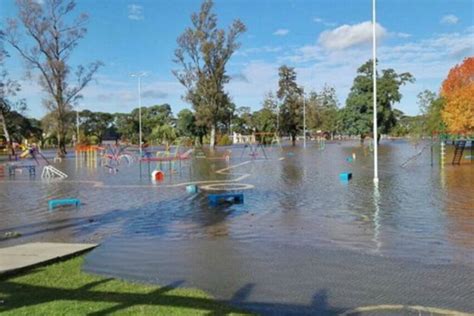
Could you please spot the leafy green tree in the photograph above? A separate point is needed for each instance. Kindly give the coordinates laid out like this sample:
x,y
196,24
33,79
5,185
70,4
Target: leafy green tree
x,y
203,52
186,123
357,115
322,110
95,124
431,107
291,109
52,37
127,126
242,121
164,134
264,120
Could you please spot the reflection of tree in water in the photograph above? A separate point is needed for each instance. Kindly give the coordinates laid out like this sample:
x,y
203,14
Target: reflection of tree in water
x,y
458,204
291,190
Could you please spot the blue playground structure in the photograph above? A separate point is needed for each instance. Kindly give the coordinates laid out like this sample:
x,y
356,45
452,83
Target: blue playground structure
x,y
215,199
53,203
345,176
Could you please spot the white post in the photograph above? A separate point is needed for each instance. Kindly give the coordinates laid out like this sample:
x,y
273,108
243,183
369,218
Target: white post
x,y
139,76
140,115
374,78
304,121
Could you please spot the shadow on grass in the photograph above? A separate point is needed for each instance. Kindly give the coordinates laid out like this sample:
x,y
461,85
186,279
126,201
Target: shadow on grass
x,y
16,294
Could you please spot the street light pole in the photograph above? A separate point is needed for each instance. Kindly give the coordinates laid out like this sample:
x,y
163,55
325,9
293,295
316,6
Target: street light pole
x,y
139,76
374,78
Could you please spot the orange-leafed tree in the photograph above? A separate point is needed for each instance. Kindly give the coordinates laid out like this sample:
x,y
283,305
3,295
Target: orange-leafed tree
x,y
458,92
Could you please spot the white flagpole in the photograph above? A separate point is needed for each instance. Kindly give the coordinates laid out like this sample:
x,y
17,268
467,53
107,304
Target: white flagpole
x,y
374,78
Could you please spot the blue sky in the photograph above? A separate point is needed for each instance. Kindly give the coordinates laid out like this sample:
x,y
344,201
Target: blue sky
x,y
326,41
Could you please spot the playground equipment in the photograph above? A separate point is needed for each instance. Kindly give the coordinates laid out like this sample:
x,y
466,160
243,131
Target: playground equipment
x,y
113,156
321,143
12,168
254,144
49,172
158,175
161,159
54,203
215,199
345,176
458,151
191,188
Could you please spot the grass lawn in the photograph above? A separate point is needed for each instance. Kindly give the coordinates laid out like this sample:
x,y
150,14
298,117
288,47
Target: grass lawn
x,y
62,289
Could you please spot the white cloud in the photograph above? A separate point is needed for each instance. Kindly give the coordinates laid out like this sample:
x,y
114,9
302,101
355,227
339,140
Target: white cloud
x,y
324,22
257,50
281,32
346,36
449,19
402,35
135,12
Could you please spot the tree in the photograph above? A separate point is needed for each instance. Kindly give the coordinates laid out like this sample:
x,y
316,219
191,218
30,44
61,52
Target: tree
x,y
203,52
164,134
95,124
290,96
431,106
186,123
458,92
322,110
242,121
53,38
8,89
358,113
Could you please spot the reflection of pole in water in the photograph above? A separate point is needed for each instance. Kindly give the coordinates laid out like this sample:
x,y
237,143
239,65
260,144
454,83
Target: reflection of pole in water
x,y
376,217
442,174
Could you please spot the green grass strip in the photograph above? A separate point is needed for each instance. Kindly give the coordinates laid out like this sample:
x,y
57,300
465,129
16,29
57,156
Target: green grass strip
x,y
63,289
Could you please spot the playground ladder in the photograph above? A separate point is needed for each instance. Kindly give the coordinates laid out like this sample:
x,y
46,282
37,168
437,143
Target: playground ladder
x,y
458,151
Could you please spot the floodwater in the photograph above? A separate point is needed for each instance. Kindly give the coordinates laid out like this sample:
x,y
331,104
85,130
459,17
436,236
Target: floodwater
x,y
303,241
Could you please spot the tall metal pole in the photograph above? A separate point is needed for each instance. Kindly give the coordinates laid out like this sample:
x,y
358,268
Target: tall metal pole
x,y
374,79
304,121
140,114
139,76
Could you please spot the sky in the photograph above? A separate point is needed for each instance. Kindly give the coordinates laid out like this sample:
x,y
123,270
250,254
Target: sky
x,y
324,40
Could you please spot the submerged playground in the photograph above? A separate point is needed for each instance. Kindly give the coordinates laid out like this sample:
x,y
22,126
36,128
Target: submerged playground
x,y
266,228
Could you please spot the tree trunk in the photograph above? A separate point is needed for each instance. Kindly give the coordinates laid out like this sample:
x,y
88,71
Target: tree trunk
x,y
4,126
61,144
362,138
213,136
293,139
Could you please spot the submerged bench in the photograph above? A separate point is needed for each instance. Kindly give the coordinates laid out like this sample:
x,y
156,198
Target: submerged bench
x,y
13,168
53,203
214,199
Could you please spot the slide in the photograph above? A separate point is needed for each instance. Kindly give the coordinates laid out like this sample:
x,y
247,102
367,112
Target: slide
x,y
25,153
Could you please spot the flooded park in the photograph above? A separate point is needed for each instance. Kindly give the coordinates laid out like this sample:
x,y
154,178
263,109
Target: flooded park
x,y
213,157
302,241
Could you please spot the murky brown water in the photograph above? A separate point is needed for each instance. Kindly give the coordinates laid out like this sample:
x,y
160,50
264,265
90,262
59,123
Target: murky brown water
x,y
418,216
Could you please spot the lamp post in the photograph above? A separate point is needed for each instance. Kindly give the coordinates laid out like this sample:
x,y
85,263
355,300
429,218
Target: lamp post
x,y
374,79
139,76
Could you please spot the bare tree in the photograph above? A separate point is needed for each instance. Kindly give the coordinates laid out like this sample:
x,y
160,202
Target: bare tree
x,y
203,52
52,36
8,89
